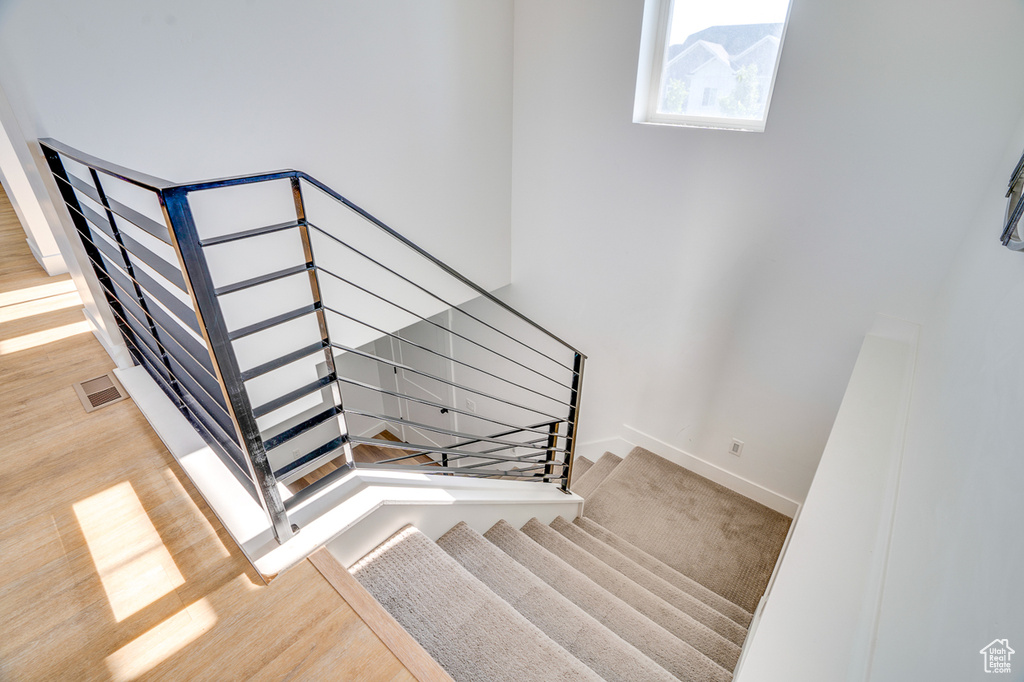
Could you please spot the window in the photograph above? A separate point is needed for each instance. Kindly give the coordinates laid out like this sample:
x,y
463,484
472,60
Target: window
x,y
709,63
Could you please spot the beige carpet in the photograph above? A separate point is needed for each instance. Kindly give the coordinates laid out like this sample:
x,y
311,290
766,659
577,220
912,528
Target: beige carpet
x,y
580,466
657,582
600,649
585,484
462,624
715,536
670,575
662,646
697,635
687,603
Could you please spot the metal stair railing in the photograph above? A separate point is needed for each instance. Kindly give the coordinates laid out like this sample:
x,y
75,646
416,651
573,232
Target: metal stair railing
x,y
295,347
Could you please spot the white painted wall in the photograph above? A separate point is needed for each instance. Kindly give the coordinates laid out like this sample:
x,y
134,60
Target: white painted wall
x,y
953,579
21,187
404,107
721,282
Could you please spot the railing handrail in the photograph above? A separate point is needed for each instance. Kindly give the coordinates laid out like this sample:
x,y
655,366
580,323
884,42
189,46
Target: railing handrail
x,y
150,182
451,271
160,185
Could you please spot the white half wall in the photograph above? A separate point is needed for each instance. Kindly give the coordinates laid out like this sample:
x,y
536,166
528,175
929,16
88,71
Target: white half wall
x,y
352,514
827,587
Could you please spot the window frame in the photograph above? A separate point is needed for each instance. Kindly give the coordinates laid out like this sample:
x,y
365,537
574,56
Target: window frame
x,y
654,44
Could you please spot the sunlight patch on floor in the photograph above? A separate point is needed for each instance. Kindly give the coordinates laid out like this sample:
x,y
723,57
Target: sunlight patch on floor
x,y
50,304
19,343
159,643
130,558
64,286
213,540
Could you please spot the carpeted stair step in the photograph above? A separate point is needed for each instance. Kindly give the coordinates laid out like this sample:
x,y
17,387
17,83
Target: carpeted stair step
x,y
580,466
723,540
664,648
699,636
470,631
666,572
604,652
686,603
585,485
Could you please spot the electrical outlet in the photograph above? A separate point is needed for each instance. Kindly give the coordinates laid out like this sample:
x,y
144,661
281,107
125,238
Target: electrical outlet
x,y
737,447
471,405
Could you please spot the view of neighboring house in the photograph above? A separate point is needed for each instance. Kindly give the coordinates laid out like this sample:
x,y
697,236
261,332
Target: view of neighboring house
x,y
721,71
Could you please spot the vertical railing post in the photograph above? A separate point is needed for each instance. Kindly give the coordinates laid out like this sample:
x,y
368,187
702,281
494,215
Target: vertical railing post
x,y
549,467
185,240
321,317
572,419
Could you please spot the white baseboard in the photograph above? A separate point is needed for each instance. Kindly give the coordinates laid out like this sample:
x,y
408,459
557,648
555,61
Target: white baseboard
x,y
117,351
53,263
734,482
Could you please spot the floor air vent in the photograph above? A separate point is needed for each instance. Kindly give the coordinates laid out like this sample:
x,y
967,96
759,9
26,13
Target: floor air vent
x,y
99,392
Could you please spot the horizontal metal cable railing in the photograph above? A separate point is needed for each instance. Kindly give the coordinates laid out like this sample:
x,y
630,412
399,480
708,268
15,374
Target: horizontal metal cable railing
x,y
303,338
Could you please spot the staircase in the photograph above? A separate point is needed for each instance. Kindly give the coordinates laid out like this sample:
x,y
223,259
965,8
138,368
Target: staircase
x,y
577,600
330,365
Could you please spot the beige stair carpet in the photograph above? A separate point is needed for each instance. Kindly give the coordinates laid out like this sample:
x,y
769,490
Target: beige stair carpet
x,y
686,603
699,636
664,648
580,466
601,650
462,624
659,568
586,484
719,538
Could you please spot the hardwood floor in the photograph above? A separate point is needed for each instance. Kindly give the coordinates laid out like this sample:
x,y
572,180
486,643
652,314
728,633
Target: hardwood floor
x,y
111,565
363,453
372,453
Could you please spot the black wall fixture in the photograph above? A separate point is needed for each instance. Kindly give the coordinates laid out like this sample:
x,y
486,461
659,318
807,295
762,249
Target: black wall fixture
x,y
1011,237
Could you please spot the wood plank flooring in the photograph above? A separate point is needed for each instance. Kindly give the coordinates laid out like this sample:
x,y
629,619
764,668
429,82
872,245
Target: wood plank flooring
x,y
372,453
363,453
111,565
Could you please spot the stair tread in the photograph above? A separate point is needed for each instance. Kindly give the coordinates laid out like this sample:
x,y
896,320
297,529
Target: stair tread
x,y
733,611
687,603
730,542
673,654
604,652
580,466
701,637
585,485
470,631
